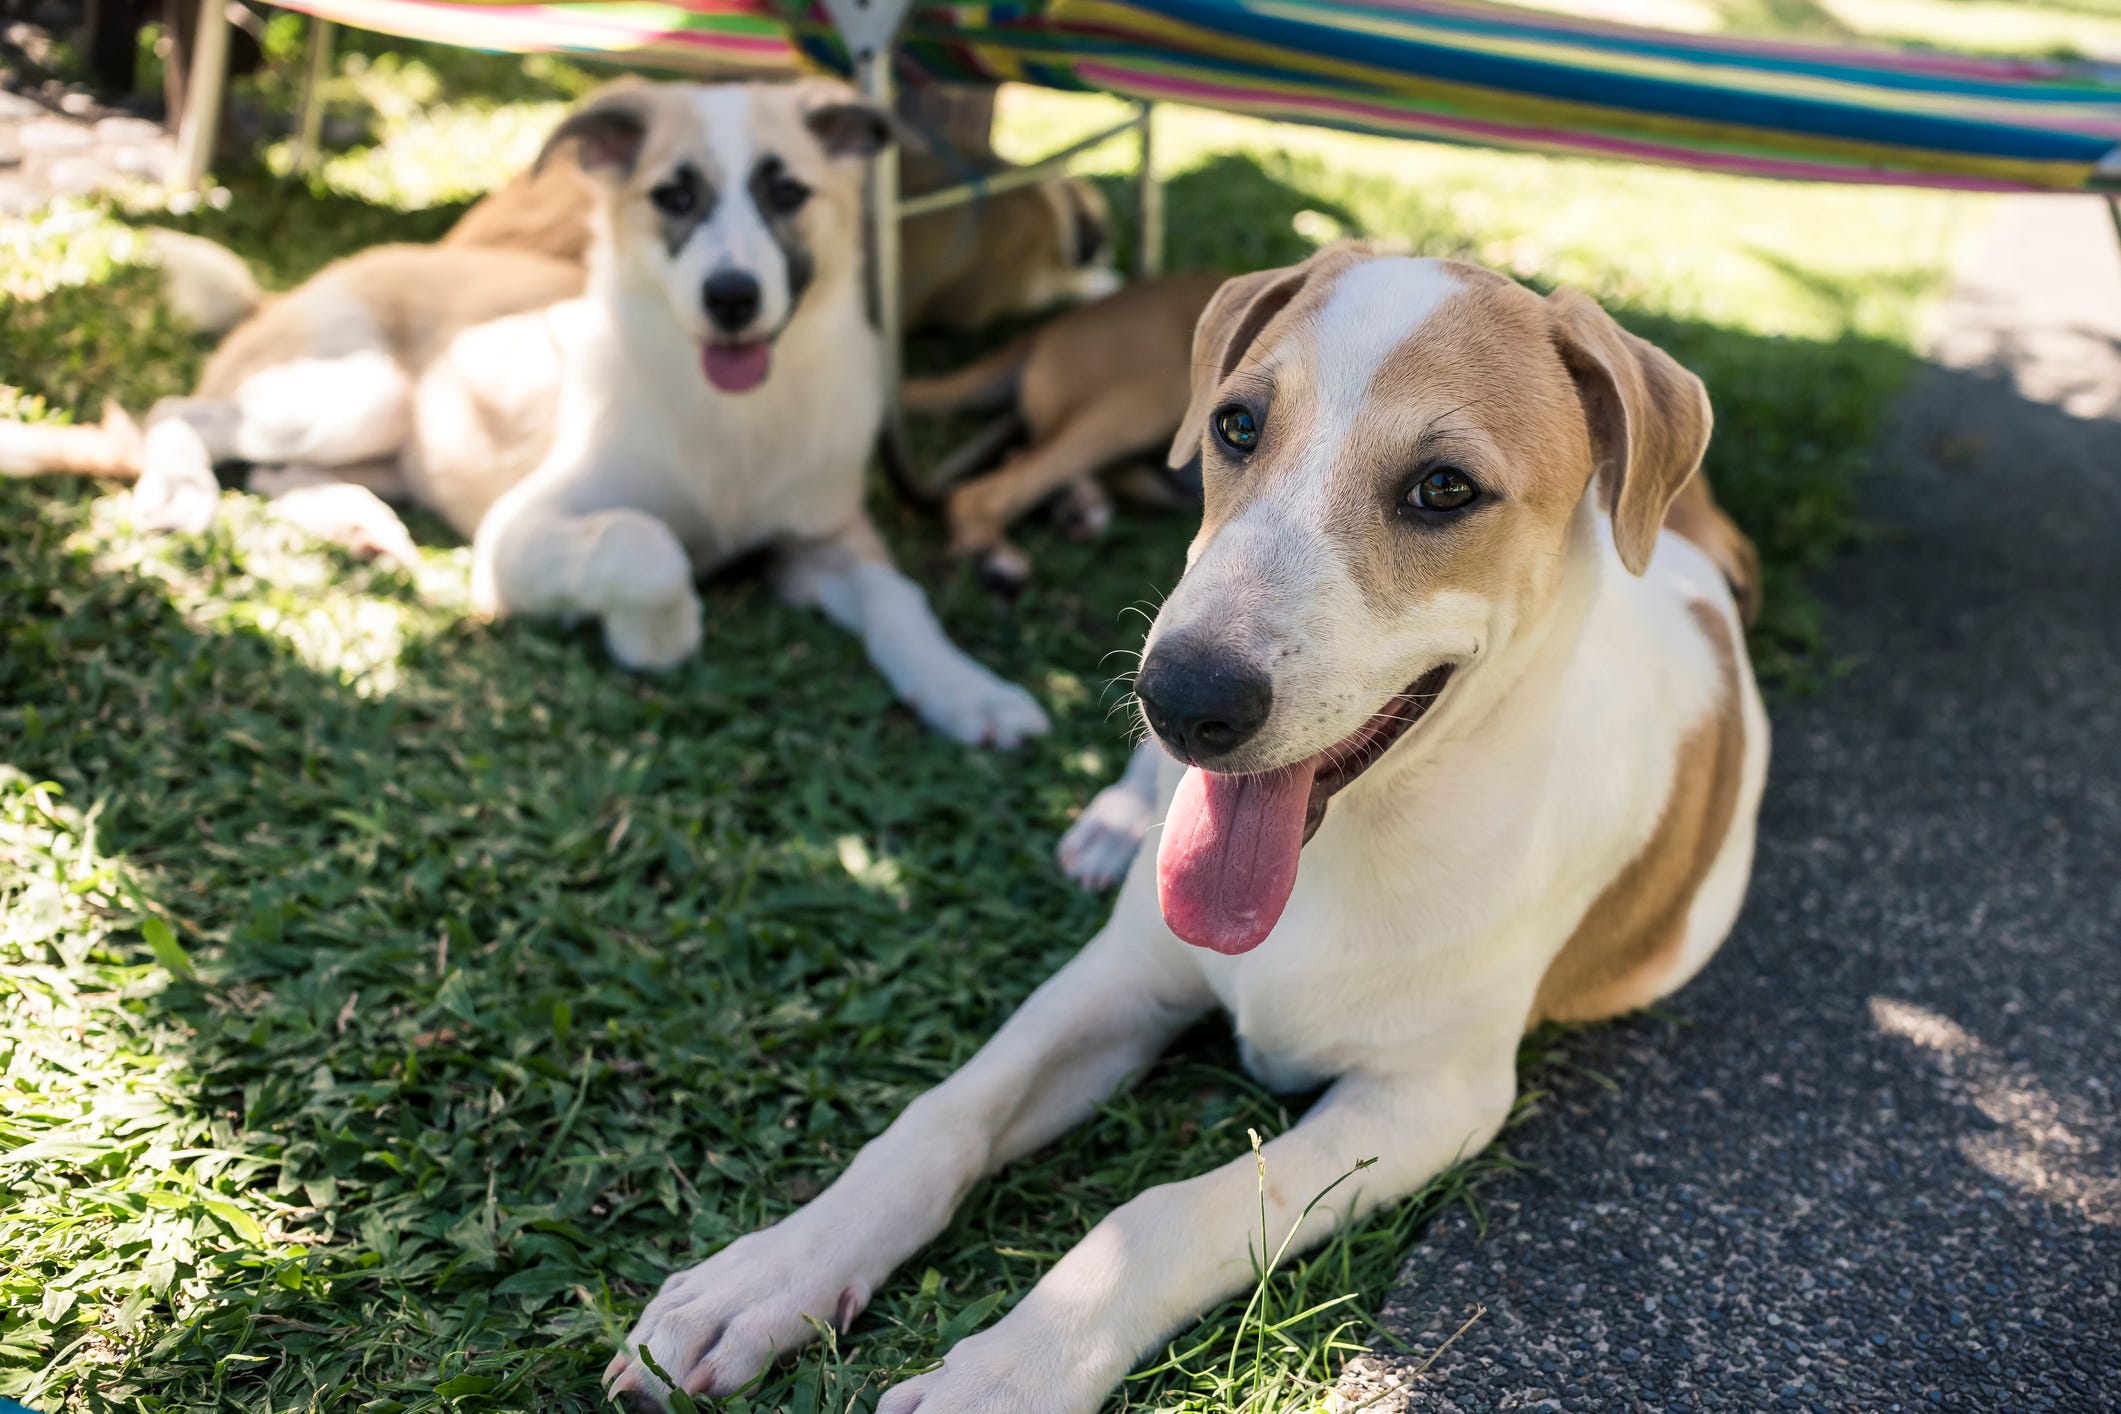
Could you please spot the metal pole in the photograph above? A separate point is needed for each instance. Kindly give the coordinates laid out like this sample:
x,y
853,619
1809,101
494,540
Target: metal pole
x,y
877,86
203,93
870,30
311,125
1148,203
1054,164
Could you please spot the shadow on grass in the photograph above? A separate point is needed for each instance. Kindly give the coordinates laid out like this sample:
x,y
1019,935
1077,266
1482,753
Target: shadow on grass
x,y
527,977
521,981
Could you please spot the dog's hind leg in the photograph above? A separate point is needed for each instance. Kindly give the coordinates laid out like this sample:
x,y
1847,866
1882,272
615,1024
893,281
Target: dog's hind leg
x,y
343,505
1099,1021
852,580
320,412
1083,511
1124,424
339,410
1101,844
185,437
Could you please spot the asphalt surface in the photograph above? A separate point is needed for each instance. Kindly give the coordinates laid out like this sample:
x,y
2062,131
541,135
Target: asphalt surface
x,y
1873,1159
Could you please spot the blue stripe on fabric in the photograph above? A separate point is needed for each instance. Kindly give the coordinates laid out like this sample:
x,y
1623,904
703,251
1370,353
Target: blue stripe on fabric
x,y
1668,97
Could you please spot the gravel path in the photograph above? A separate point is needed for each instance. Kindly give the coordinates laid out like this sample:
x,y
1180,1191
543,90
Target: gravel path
x,y
65,144
1872,1159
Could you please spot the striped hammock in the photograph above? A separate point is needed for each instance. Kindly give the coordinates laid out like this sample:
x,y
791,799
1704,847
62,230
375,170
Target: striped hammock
x,y
1462,71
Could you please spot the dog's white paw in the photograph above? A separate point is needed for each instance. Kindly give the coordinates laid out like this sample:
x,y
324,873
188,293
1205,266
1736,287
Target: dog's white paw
x,y
972,705
634,561
638,577
993,1373
342,513
176,490
1101,844
650,640
182,500
712,1328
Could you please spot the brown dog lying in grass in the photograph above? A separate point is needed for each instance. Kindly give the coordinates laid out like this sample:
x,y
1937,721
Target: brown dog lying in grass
x,y
1098,388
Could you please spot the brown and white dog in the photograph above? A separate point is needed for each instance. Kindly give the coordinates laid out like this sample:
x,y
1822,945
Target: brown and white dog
x,y
1095,387
714,391
1019,252
1467,739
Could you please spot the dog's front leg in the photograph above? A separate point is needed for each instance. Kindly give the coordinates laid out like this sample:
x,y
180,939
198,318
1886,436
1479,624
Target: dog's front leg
x,y
1099,848
535,553
1100,1019
1163,1258
850,578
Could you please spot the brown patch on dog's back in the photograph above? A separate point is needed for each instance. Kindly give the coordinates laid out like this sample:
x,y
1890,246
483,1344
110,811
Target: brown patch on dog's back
x,y
1633,933
545,210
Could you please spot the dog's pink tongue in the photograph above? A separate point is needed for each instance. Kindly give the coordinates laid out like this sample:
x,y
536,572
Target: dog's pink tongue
x,y
736,368
1229,852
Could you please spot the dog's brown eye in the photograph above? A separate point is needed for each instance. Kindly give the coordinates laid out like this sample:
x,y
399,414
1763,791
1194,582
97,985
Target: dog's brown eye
x,y
785,196
1443,488
1237,428
674,198
776,192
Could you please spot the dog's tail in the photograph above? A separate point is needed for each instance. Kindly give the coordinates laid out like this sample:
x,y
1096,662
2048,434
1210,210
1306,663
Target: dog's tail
x,y
109,448
1695,515
208,285
984,383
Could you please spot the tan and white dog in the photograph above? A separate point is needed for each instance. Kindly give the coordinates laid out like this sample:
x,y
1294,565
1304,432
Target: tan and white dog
x,y
1468,740
713,392
1019,252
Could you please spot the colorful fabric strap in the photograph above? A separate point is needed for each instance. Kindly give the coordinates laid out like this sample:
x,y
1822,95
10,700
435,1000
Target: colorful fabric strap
x,y
1461,71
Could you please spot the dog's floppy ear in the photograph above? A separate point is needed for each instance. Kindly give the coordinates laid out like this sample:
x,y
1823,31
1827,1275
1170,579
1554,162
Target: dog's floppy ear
x,y
606,132
1649,419
844,123
1228,327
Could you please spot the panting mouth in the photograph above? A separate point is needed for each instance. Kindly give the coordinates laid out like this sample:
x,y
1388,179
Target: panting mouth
x,y
737,367
1231,843
1343,763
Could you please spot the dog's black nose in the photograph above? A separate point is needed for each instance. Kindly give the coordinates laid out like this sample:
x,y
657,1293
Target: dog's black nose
x,y
732,299
1205,702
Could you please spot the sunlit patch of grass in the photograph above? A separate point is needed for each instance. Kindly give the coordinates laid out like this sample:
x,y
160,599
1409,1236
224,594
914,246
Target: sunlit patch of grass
x,y
2014,27
429,156
2087,27
66,245
342,619
128,1205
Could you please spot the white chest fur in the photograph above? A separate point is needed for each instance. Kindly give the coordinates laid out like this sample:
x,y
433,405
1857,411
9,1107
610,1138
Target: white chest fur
x,y
1441,886
728,473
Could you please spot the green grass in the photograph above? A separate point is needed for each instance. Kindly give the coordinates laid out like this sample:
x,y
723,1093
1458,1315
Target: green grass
x,y
388,1001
